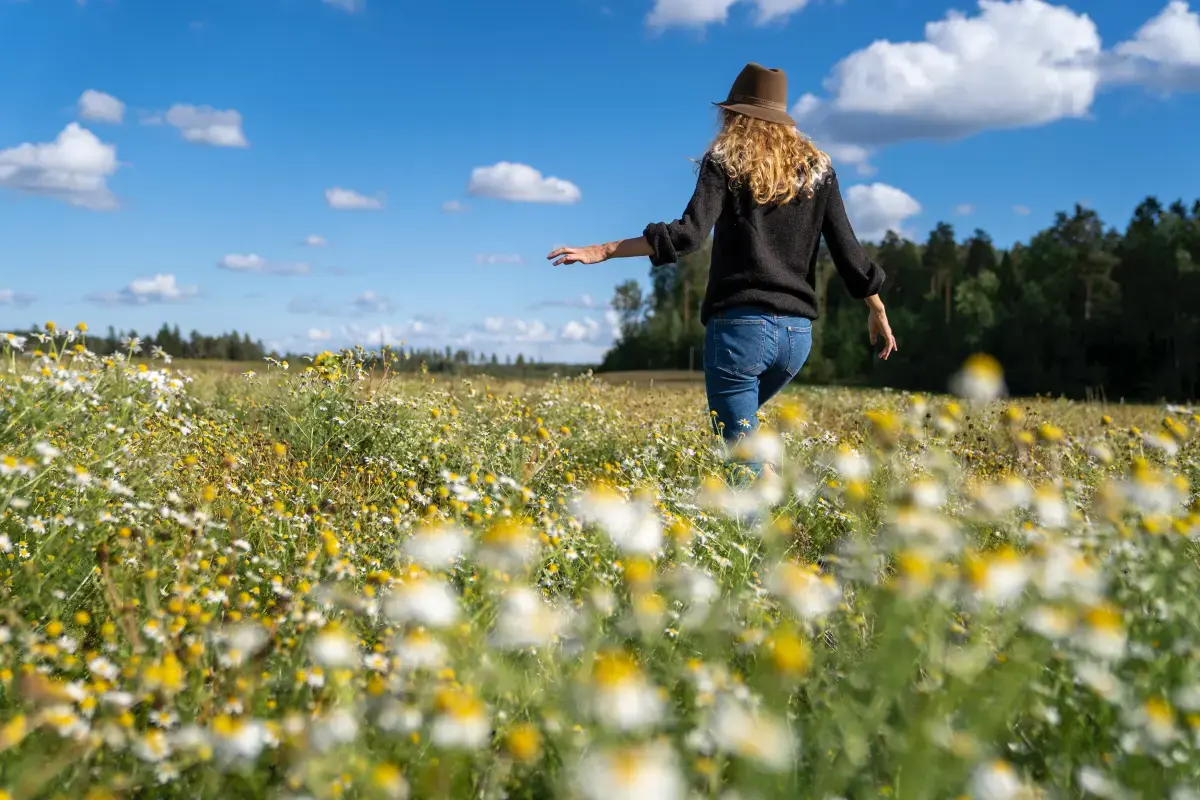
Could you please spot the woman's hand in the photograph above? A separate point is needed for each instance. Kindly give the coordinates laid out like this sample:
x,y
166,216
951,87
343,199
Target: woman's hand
x,y
592,254
879,328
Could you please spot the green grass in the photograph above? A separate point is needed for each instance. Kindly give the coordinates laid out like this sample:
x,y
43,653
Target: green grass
x,y
327,584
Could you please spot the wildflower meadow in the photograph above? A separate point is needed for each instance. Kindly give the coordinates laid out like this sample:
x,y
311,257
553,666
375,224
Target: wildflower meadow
x,y
322,580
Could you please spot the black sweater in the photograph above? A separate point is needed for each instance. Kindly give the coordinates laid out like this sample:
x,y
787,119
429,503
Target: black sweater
x,y
764,256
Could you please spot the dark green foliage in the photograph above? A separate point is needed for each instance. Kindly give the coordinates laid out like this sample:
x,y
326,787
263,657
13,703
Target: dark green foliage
x,y
1079,311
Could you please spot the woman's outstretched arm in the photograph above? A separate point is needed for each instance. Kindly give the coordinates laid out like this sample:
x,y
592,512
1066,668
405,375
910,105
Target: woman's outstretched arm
x,y
595,253
663,242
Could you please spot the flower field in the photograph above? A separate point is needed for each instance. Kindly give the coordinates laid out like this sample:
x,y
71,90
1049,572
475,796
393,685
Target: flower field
x,y
316,582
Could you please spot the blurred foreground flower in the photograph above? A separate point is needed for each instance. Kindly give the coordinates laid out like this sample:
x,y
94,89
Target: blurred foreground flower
x,y
633,526
811,594
980,379
751,735
438,547
621,697
525,619
462,722
423,601
637,772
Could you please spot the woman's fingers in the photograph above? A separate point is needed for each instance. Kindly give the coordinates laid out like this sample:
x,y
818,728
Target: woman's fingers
x,y
889,346
565,255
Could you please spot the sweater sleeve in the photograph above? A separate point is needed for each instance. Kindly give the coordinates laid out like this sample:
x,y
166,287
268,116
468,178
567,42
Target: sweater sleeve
x,y
862,276
670,240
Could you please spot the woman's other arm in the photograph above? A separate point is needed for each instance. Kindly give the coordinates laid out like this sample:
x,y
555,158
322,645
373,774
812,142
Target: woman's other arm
x,y
862,276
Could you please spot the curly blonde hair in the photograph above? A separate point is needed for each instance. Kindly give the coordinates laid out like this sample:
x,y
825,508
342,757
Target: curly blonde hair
x,y
776,162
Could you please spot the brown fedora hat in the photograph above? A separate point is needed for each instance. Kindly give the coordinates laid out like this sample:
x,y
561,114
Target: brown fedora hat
x,y
761,93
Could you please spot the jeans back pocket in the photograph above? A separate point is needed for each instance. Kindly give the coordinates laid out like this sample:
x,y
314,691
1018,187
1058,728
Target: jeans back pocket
x,y
799,346
736,345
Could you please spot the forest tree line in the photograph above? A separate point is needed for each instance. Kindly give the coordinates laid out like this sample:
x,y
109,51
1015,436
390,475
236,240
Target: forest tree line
x,y
169,341
1079,310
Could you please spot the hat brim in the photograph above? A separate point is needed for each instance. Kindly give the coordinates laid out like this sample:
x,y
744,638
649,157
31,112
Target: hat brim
x,y
758,112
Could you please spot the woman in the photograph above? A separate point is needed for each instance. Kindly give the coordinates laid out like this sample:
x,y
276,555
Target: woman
x,y
771,194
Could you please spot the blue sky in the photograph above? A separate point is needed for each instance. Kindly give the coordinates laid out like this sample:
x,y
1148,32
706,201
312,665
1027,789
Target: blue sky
x,y
169,161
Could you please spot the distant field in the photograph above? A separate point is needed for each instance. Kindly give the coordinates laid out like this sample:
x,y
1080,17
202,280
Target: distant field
x,y
638,378
654,378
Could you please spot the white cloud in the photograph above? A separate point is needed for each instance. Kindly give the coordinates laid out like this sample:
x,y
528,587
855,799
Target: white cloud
x,y
586,331
349,6
769,10
390,335
503,329
1022,211
207,125
348,200
144,291
874,209
365,304
502,332
74,168
684,13
531,331
582,301
410,332
453,207
614,322
101,107
1172,37
698,13
371,303
577,340
313,240
964,209
521,183
8,297
257,264
1165,52
498,258
1014,64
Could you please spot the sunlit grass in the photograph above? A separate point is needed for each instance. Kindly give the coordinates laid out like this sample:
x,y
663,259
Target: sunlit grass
x,y
316,583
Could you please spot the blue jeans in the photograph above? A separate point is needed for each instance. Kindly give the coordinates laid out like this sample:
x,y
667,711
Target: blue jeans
x,y
749,356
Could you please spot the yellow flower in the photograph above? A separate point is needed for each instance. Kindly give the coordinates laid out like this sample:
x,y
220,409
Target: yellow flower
x,y
1175,428
167,676
13,731
1050,433
791,415
790,654
639,572
613,668
388,779
886,426
524,743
